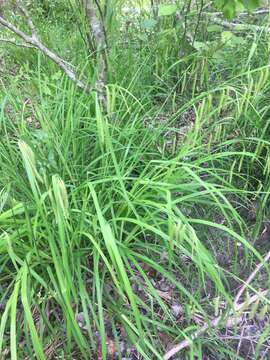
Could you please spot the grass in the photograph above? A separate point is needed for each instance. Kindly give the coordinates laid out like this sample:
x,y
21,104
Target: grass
x,y
97,212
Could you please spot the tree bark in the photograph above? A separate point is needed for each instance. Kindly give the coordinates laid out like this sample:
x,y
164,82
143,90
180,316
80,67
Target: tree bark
x,y
97,28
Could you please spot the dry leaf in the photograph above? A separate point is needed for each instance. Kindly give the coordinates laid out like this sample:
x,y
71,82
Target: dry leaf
x,y
177,309
166,295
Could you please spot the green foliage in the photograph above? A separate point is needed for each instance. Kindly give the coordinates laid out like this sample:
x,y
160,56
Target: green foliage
x,y
103,209
231,7
166,10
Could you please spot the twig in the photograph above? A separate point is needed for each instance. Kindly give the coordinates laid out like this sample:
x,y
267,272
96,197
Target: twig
x,y
27,46
251,277
13,42
28,18
36,43
240,341
230,321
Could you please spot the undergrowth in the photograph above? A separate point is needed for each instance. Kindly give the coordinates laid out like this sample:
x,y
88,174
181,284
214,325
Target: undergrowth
x,y
108,220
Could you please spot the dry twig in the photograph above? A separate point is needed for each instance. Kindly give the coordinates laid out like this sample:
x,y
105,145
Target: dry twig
x,y
13,42
251,277
225,321
239,27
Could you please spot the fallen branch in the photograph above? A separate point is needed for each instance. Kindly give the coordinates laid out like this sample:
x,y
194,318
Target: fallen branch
x,y
231,320
33,41
254,13
237,26
245,13
228,322
251,277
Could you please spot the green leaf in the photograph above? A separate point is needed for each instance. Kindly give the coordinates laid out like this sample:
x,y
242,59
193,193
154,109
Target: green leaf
x,y
219,4
142,37
214,28
149,24
226,36
262,313
28,315
41,135
198,45
229,10
166,10
252,51
239,6
237,40
254,309
46,90
251,4
57,75
231,7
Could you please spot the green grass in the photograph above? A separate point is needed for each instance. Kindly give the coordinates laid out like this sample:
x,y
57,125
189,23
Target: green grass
x,y
94,204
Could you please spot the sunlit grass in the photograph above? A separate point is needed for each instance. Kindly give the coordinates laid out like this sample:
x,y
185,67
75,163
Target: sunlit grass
x,y
93,202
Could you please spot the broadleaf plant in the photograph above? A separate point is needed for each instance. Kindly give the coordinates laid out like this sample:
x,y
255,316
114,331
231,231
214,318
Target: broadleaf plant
x,y
231,7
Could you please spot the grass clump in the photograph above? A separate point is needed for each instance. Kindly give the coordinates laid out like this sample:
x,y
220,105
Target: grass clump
x,y
124,230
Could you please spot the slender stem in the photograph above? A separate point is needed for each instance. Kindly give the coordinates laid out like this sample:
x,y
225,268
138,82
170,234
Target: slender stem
x,y
13,42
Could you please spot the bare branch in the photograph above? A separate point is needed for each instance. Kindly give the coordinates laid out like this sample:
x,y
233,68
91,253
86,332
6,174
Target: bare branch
x,y
16,31
35,42
251,277
237,26
232,318
228,322
245,13
28,18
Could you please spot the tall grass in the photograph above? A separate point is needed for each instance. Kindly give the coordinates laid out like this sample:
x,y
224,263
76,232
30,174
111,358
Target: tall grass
x,y
93,203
